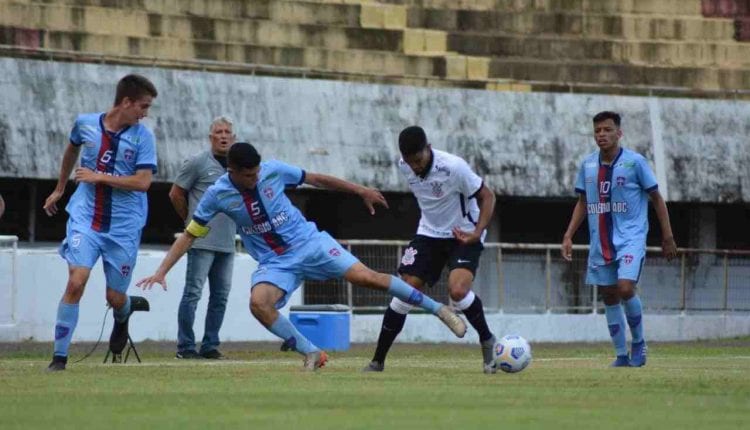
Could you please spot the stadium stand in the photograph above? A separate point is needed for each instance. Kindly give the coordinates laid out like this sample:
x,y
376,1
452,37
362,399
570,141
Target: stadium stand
x,y
633,46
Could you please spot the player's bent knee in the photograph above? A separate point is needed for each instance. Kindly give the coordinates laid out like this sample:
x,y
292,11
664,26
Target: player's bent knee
x,y
74,291
458,292
260,307
115,299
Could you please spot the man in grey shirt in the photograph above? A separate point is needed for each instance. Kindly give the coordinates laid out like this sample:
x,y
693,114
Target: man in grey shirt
x,y
211,257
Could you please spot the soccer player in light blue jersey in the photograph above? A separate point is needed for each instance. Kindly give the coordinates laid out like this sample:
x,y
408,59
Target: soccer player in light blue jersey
x,y
108,209
287,247
614,185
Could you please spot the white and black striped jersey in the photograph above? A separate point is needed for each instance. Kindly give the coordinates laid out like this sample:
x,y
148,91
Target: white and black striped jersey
x,y
446,195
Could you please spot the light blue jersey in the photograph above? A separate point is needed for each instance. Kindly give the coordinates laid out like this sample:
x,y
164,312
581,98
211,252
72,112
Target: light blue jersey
x,y
102,208
288,248
268,223
105,221
617,206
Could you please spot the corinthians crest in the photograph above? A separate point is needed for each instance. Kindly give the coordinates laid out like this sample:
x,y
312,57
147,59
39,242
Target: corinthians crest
x,y
437,189
408,258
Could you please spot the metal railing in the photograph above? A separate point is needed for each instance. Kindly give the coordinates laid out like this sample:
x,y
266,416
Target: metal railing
x,y
533,278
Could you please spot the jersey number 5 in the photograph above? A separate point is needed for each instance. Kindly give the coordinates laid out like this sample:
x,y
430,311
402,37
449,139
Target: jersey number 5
x,y
255,208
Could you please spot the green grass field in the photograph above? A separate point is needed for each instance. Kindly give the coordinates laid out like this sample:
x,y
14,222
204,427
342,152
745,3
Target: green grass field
x,y
685,386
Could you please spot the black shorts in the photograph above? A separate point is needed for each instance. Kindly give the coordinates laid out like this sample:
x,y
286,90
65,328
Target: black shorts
x,y
425,257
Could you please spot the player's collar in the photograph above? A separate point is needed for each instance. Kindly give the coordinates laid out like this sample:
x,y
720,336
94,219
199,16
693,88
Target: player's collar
x,y
617,157
429,166
105,131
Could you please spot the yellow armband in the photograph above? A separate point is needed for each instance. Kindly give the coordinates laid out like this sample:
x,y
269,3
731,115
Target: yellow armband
x,y
196,229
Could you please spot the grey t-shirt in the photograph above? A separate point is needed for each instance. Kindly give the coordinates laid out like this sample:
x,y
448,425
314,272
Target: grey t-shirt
x,y
197,174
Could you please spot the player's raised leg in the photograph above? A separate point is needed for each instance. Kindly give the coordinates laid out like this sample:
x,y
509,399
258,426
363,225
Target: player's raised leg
x,y
263,302
119,262
361,275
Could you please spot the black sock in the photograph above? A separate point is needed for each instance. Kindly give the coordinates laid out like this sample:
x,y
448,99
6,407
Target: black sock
x,y
475,315
393,322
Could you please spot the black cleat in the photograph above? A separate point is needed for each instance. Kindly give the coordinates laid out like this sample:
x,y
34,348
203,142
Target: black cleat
x,y
187,355
213,354
58,363
119,337
374,366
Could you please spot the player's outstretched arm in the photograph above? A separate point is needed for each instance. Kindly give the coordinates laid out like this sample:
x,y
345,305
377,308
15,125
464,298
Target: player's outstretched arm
x,y
141,181
668,245
486,200
579,213
370,196
178,249
70,156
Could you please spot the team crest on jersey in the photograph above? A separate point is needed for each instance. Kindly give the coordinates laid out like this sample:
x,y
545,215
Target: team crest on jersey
x,y
408,258
620,181
88,144
437,189
129,154
268,192
125,270
627,258
334,252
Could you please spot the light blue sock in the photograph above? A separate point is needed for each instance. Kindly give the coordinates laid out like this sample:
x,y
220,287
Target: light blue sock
x,y
67,319
122,313
616,324
284,329
634,312
412,296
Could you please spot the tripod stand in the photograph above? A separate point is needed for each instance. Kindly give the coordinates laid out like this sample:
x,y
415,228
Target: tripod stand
x,y
117,358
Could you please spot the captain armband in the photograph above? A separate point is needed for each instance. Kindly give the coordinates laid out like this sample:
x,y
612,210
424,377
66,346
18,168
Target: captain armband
x,y
196,229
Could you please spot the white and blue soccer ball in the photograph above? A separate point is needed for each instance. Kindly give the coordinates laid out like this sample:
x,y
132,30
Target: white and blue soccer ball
x,y
512,354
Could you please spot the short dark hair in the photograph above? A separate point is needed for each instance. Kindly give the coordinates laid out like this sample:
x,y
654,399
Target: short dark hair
x,y
134,87
243,155
412,140
605,115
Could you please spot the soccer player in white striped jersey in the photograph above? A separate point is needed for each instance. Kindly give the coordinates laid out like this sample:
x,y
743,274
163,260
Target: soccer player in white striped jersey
x,y
456,208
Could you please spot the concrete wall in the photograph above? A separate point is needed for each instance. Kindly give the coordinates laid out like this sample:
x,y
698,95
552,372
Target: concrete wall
x,y
523,144
28,311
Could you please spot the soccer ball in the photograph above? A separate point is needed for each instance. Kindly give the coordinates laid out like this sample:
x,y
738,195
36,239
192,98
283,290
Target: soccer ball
x,y
512,354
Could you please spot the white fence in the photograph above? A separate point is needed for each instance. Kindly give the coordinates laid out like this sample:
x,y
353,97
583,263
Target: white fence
x,y
529,299
533,278
8,277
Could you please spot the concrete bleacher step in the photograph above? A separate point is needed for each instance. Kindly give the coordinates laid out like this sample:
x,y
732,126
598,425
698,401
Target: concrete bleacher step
x,y
88,20
640,27
653,7
291,11
617,75
335,61
657,53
